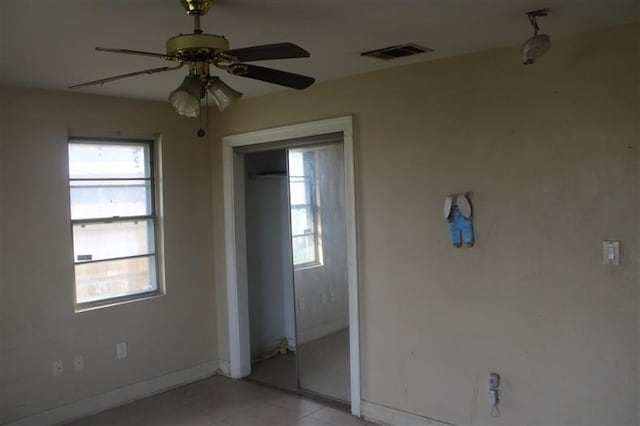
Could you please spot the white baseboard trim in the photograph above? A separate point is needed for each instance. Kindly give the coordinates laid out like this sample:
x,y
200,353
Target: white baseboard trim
x,y
390,416
120,396
225,367
291,343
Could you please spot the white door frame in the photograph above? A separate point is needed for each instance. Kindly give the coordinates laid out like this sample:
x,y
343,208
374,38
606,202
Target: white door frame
x,y
237,291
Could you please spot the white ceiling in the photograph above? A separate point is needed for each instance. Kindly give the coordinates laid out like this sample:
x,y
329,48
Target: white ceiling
x,y
50,43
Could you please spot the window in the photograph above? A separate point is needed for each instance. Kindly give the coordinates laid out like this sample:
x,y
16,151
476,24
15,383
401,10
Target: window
x,y
113,220
304,220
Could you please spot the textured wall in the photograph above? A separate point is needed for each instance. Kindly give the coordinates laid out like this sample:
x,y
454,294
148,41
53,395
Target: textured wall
x,y
550,153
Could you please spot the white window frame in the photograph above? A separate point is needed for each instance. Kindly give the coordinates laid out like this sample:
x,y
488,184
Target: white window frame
x,y
152,217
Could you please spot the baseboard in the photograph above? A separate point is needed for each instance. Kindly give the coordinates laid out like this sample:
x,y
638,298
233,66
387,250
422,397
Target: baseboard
x,y
120,396
390,416
272,349
291,344
225,367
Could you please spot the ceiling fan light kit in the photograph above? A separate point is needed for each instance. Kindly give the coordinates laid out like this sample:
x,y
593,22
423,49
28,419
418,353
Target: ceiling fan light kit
x,y
200,51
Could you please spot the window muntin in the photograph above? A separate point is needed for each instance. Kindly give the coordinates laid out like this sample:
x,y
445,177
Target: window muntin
x,y
113,220
304,212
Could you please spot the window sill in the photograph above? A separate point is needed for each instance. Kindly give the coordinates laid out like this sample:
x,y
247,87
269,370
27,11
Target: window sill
x,y
92,306
307,266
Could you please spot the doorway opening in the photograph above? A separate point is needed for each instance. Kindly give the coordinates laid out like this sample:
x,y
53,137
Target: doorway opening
x,y
291,260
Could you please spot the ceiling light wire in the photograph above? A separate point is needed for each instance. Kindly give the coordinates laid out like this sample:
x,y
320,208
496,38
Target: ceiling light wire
x,y
534,23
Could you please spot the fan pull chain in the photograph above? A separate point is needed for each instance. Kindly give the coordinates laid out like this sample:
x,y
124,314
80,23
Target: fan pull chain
x,y
201,131
206,94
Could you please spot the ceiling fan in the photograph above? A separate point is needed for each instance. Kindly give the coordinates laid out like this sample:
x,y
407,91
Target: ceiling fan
x,y
198,51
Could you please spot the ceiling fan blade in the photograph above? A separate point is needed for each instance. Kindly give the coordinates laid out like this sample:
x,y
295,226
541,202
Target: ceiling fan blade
x,y
283,78
136,52
121,76
269,51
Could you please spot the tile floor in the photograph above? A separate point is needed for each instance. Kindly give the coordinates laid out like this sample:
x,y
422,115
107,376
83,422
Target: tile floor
x,y
279,371
218,401
324,367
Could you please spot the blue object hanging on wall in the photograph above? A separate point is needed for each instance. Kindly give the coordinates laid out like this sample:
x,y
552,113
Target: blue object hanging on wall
x,y
459,214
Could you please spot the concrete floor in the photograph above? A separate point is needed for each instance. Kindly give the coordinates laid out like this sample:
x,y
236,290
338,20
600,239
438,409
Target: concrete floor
x,y
223,402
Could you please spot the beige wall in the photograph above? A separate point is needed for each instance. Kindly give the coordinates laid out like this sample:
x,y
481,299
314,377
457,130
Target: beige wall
x,y
550,154
38,325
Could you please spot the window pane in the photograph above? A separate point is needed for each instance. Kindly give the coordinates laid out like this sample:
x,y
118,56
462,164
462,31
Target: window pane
x,y
114,278
296,163
97,241
96,199
301,220
304,249
104,161
299,190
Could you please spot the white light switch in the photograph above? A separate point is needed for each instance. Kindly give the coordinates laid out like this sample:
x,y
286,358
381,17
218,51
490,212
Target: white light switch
x,y
611,252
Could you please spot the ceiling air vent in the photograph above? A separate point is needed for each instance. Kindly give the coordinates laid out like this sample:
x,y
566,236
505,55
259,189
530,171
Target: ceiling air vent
x,y
393,52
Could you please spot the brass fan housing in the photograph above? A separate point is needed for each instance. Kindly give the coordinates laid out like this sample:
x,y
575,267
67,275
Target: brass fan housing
x,y
196,47
196,7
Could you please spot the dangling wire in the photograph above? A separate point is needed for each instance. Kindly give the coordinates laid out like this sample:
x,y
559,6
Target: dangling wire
x,y
534,23
495,411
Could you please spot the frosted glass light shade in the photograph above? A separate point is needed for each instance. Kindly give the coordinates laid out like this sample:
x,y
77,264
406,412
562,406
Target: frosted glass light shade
x,y
185,100
222,94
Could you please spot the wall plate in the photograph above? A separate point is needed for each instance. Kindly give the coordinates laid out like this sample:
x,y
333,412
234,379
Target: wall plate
x,y
611,252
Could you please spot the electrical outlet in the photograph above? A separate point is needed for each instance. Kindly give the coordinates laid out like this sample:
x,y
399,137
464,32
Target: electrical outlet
x,y
301,303
333,296
78,363
121,350
58,369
